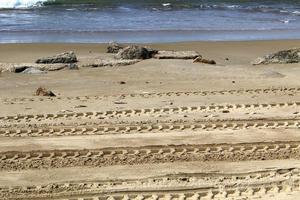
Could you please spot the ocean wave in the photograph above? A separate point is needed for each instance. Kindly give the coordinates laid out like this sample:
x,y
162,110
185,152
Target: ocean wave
x,y
15,4
266,6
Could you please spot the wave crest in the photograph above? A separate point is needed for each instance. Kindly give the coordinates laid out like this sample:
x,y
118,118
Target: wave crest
x,y
13,4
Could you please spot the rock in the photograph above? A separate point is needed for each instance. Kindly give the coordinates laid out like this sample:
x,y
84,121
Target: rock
x,y
202,60
33,71
122,82
67,57
280,57
114,47
110,63
119,102
177,55
151,51
20,67
44,92
73,66
134,52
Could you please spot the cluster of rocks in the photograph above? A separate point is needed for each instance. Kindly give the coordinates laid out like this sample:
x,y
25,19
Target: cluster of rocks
x,y
134,52
141,52
280,57
42,65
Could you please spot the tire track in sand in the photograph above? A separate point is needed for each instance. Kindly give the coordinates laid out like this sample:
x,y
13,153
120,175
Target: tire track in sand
x,y
106,129
208,182
270,90
138,112
149,154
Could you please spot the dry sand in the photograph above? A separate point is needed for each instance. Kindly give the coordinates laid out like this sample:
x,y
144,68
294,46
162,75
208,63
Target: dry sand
x,y
175,130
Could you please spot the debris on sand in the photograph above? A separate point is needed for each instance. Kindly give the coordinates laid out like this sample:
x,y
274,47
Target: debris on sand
x,y
280,57
177,55
67,57
202,60
114,47
41,91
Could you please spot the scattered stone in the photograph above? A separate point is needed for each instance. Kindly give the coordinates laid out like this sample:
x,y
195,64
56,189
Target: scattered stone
x,y
281,57
73,66
33,71
202,60
225,111
114,47
119,102
134,52
80,106
67,57
41,91
66,111
177,55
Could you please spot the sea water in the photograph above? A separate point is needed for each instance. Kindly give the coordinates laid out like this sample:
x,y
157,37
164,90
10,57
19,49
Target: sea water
x,y
147,20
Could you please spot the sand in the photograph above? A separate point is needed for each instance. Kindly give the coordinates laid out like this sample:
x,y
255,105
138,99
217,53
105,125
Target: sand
x,y
173,130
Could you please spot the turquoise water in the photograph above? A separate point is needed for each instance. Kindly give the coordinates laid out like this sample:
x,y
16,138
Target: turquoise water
x,y
147,20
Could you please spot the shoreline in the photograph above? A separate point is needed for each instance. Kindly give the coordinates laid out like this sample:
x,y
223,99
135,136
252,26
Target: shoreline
x,y
239,52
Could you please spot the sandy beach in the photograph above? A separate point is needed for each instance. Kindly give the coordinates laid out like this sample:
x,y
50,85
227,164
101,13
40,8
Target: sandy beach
x,y
158,129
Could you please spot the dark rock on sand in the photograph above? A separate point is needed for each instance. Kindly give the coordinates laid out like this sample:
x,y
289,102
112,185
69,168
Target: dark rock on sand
x,y
177,55
114,47
20,69
67,57
151,51
202,60
73,66
134,52
44,92
281,57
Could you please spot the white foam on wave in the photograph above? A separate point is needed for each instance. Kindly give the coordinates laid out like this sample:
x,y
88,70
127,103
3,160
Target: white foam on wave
x,y
20,3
